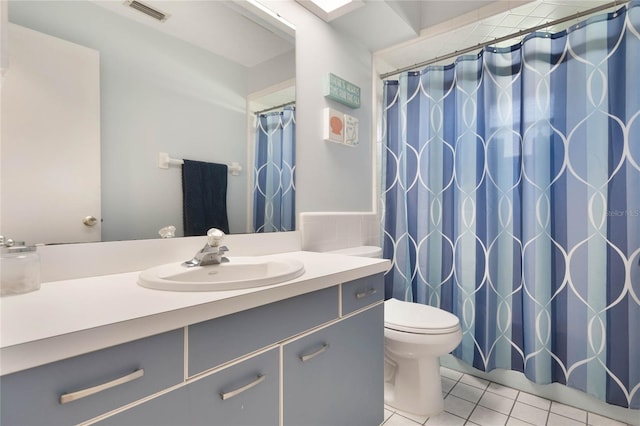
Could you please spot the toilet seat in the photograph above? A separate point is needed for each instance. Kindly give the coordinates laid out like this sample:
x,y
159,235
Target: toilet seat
x,y
418,319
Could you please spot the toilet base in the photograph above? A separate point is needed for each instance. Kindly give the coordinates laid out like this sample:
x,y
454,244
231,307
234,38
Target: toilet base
x,y
414,386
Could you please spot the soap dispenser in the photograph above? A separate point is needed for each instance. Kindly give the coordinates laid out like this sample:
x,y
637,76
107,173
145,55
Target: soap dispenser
x,y
19,267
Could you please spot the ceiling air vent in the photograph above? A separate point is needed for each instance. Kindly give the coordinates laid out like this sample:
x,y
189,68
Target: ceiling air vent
x,y
147,10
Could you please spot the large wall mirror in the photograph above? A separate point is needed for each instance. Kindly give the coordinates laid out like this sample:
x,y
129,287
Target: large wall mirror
x,y
187,86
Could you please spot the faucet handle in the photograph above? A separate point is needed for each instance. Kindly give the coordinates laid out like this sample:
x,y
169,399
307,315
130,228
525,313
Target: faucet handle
x,y
214,236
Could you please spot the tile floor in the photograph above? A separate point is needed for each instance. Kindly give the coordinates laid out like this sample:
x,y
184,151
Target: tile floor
x,y
473,401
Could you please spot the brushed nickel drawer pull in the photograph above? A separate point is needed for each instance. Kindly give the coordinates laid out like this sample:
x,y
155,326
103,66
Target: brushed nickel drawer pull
x,y
231,394
68,397
363,294
305,358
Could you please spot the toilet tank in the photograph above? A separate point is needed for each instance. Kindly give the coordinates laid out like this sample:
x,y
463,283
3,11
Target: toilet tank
x,y
361,251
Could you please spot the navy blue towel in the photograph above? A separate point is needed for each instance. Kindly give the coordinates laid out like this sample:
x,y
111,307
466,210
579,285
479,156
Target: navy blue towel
x,y
204,197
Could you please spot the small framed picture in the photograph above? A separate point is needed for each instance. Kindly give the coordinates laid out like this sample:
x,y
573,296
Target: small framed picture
x,y
350,130
334,126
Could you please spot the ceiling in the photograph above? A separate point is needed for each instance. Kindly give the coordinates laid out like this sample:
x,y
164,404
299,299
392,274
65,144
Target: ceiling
x,y
406,32
238,31
400,32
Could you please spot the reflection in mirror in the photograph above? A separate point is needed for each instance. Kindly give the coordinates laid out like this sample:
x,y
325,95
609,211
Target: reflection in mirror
x,y
108,89
274,183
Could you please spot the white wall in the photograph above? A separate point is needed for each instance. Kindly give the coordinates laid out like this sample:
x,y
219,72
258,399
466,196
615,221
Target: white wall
x,y
329,177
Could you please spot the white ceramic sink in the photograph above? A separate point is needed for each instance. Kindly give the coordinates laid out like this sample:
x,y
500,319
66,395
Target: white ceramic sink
x,y
238,273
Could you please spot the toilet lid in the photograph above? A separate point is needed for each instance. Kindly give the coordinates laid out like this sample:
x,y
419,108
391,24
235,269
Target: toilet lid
x,y
417,318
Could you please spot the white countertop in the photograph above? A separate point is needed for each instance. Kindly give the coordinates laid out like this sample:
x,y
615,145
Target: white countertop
x,y
71,317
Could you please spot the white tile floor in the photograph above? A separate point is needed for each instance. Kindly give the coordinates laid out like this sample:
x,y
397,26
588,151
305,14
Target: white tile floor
x,y
473,401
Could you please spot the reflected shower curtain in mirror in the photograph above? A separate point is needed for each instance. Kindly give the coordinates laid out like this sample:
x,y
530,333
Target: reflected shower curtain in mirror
x,y
511,194
274,172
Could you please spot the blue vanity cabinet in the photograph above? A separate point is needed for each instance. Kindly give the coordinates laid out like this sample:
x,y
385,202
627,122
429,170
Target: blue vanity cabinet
x,y
311,359
249,388
220,340
334,376
54,394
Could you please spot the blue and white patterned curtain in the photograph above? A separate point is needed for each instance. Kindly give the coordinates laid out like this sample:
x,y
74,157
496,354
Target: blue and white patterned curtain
x,y
274,188
511,194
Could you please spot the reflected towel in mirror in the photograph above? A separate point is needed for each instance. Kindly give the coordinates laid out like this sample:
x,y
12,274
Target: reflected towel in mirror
x,y
204,197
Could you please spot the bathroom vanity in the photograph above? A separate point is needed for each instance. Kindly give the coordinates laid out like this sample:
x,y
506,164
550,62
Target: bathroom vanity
x,y
305,352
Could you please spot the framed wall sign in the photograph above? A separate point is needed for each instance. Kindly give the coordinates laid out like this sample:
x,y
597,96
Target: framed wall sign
x,y
342,91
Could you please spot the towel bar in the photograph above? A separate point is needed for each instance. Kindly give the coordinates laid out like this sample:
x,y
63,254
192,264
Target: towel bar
x,y
164,161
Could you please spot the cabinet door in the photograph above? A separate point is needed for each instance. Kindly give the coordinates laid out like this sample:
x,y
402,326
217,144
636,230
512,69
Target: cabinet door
x,y
80,388
250,391
335,375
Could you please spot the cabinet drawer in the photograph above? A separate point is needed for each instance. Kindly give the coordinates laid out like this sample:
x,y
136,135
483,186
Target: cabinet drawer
x,y
362,292
220,340
251,391
33,397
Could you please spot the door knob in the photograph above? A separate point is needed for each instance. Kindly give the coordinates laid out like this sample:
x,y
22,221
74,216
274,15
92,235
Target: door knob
x,y
89,221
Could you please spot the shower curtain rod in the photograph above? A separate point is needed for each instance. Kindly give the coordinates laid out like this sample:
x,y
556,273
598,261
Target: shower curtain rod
x,y
479,46
275,107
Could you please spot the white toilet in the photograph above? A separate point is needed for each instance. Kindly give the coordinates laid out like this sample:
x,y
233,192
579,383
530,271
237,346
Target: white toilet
x,y
415,336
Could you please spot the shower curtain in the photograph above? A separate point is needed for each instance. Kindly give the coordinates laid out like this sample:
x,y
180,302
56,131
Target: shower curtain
x,y
511,196
274,172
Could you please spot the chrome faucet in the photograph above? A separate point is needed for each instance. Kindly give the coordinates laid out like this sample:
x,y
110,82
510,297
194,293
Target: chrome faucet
x,y
212,253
